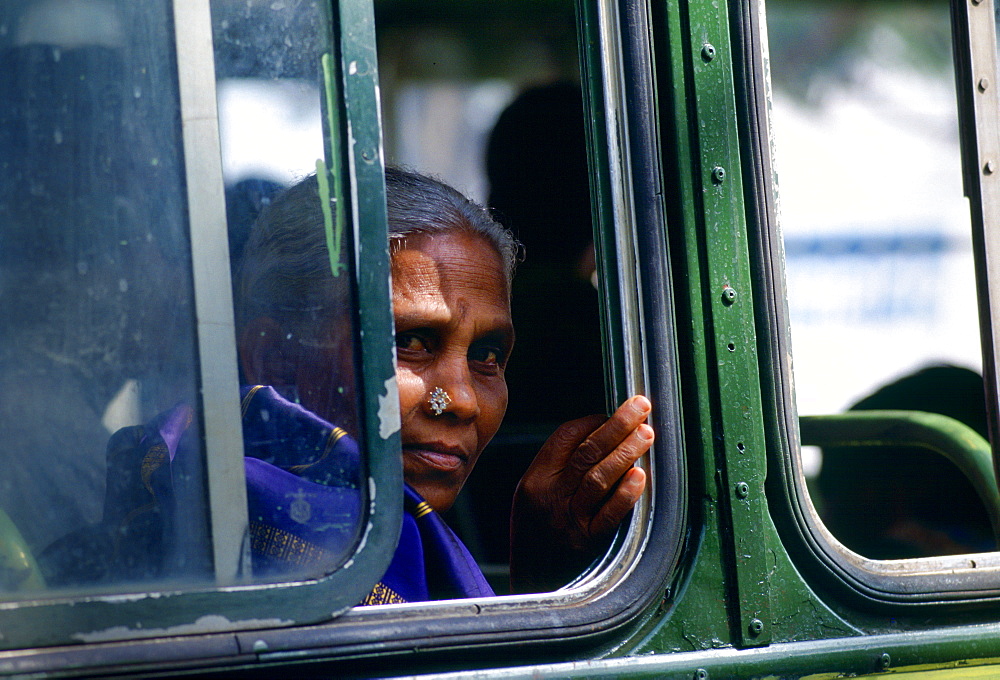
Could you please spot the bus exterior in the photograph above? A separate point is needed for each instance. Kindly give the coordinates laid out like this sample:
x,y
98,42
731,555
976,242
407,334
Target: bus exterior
x,y
843,524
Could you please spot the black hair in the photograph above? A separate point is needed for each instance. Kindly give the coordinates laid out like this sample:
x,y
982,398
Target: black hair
x,y
285,268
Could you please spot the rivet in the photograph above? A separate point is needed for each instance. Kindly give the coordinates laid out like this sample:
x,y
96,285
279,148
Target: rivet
x,y
976,2
718,174
742,489
708,52
984,84
701,674
259,646
990,167
728,295
756,627
884,661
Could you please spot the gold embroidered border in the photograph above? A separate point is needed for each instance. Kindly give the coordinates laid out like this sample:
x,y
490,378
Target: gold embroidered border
x,y
247,399
382,594
282,545
331,440
151,462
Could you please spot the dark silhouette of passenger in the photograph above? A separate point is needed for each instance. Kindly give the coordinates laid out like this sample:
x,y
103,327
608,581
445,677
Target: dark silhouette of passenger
x,y
537,167
901,502
536,163
244,202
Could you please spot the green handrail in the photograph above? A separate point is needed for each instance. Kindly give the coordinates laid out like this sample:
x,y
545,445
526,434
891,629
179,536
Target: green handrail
x,y
954,440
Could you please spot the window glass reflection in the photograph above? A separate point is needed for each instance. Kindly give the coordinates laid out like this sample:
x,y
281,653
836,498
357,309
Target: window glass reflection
x,y
880,276
104,461
95,283
293,290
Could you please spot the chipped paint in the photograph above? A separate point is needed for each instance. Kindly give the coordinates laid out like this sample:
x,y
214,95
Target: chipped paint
x,y
388,409
361,546
138,597
368,529
334,219
211,623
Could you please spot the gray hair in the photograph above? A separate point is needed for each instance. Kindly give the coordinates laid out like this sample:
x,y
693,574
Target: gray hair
x,y
285,268
421,205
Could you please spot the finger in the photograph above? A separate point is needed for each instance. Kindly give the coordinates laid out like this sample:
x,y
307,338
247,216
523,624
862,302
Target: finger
x,y
624,498
608,436
602,478
563,443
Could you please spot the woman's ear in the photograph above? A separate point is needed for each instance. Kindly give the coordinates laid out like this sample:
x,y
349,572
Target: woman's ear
x,y
266,357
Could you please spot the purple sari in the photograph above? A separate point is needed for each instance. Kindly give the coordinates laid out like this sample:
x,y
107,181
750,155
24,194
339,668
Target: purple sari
x,y
293,454
304,481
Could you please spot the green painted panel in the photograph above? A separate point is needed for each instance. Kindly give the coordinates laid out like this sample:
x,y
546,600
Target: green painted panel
x,y
737,570
727,297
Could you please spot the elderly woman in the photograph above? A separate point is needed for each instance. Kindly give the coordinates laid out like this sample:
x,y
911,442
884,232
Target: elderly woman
x,y
451,279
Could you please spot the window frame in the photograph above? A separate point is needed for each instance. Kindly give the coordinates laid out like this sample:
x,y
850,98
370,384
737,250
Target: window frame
x,y
904,587
640,356
974,29
354,152
620,96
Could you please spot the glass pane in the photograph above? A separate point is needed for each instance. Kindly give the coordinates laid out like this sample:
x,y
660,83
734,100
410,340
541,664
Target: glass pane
x,y
96,301
103,451
292,283
880,276
490,102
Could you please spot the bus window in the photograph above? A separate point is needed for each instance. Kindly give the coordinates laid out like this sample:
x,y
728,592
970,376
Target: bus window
x,y
100,347
242,503
491,102
294,316
97,296
880,276
140,447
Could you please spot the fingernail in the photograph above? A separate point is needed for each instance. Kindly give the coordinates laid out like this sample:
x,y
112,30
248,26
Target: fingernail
x,y
645,433
641,403
635,482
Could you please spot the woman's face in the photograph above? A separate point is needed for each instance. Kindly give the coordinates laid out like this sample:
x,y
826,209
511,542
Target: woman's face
x,y
453,332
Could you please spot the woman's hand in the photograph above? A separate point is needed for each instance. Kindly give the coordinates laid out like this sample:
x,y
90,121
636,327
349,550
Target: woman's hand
x,y
574,495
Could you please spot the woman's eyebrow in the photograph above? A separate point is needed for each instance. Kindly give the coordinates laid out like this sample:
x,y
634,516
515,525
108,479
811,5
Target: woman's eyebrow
x,y
504,334
435,316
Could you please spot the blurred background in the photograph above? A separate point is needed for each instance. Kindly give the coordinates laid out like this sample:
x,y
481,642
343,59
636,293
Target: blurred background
x,y
865,129
877,233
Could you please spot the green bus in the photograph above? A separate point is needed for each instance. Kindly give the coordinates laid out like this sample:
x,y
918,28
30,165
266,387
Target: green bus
x,y
843,523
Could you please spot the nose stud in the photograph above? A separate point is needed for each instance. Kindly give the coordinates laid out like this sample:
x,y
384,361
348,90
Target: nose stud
x,y
439,400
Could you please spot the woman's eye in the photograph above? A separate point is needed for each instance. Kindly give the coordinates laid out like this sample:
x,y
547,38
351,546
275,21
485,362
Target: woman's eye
x,y
410,342
486,355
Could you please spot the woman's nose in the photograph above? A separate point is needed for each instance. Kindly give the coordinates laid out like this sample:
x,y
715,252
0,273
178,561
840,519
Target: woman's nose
x,y
460,399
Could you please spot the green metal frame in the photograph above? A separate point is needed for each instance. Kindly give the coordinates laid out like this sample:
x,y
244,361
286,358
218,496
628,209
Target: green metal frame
x,y
736,569
356,149
721,303
726,593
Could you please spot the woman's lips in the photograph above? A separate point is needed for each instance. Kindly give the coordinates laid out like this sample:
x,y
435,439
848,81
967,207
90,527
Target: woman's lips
x,y
438,456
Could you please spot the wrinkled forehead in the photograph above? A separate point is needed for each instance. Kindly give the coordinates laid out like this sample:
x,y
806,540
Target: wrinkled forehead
x,y
449,263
